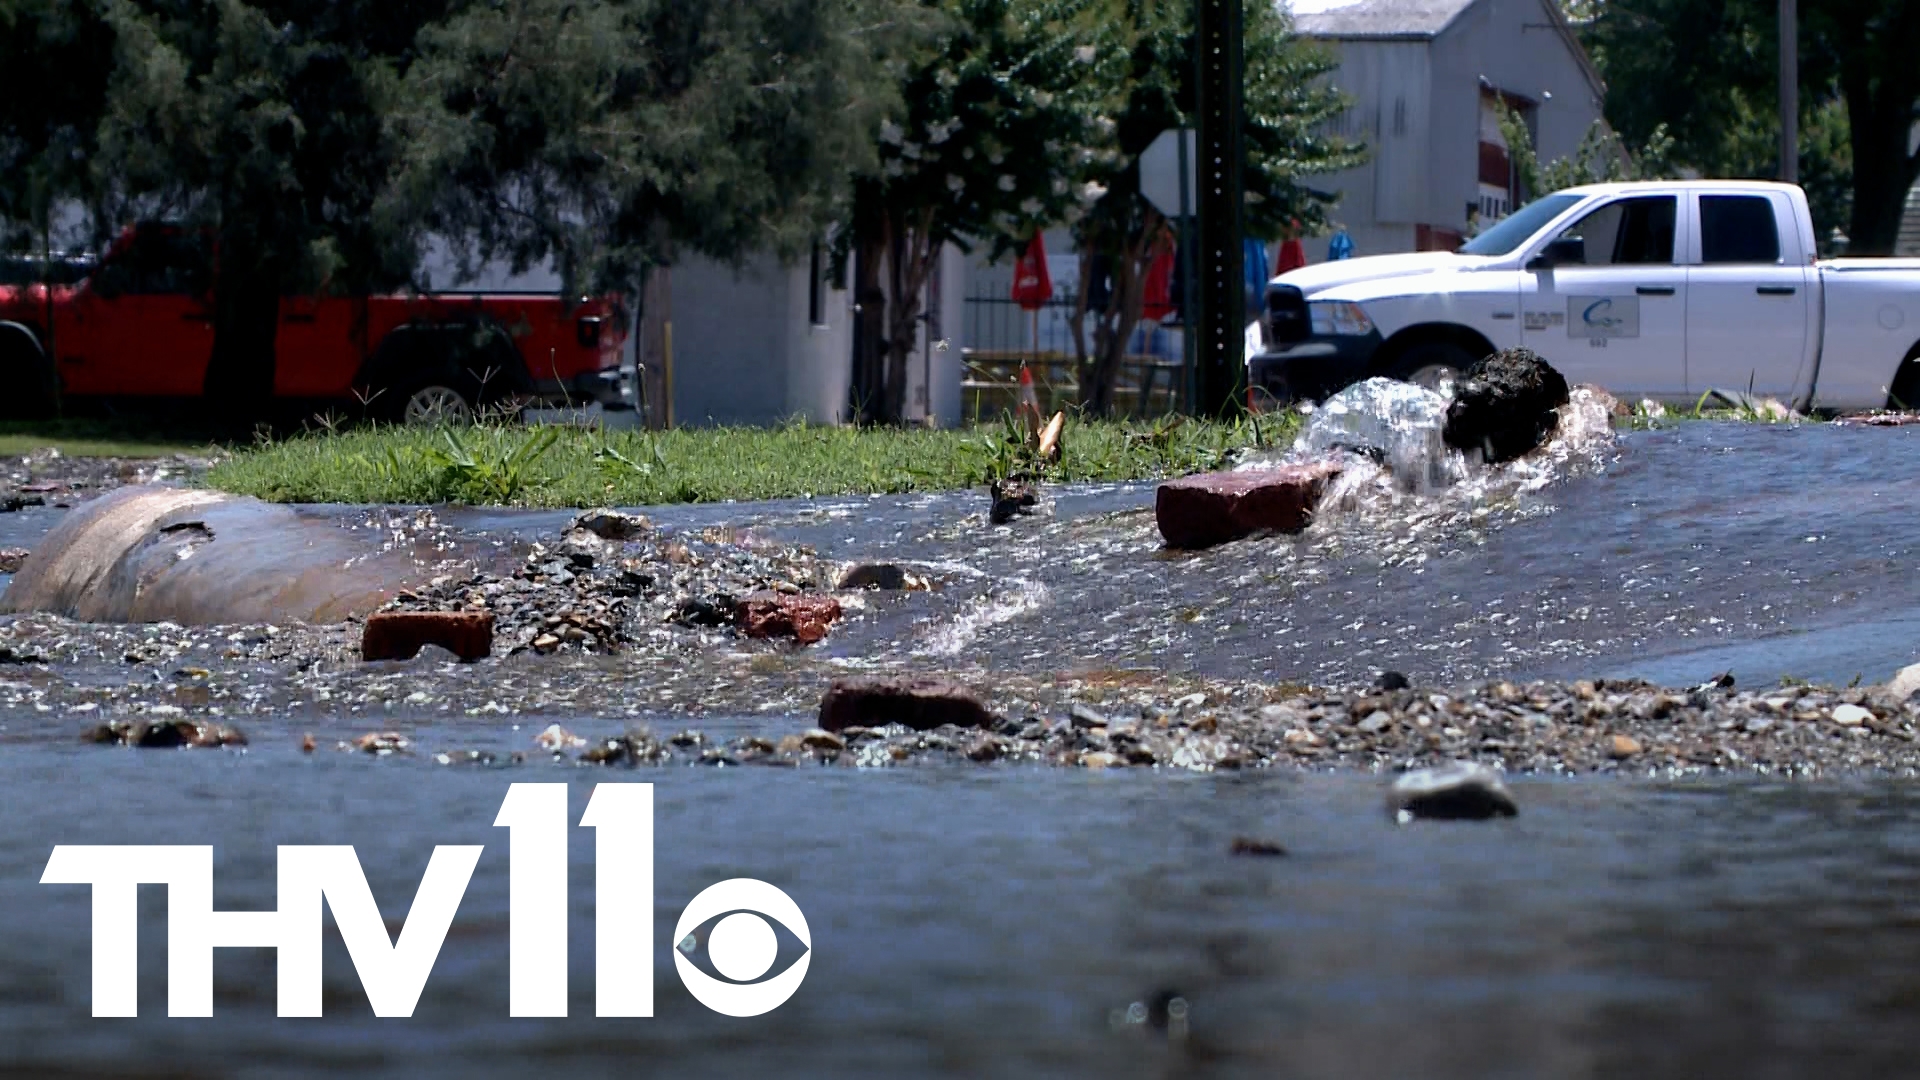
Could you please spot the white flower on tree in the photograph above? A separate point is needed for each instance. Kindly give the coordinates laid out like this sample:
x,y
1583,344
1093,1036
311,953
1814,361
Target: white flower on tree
x,y
1006,182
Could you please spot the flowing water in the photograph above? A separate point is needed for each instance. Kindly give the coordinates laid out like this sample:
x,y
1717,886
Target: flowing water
x,y
1019,921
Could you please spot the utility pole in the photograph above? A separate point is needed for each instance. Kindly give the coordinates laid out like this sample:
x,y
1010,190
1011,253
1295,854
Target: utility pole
x,y
1220,354
1789,92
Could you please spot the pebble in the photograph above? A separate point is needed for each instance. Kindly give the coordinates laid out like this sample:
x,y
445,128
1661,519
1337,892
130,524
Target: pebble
x,y
1850,715
1463,791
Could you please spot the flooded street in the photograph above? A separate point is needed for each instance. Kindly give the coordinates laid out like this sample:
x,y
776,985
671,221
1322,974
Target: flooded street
x,y
1003,920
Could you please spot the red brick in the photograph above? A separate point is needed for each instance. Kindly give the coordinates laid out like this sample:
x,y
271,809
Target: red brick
x,y
398,635
1200,511
804,617
921,704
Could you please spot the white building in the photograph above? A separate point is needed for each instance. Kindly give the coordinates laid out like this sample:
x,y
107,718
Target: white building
x,y
1424,76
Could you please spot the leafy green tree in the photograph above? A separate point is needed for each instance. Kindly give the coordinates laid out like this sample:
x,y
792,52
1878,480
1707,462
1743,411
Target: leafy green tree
x,y
261,121
1002,117
52,91
1287,106
1708,69
1601,157
616,136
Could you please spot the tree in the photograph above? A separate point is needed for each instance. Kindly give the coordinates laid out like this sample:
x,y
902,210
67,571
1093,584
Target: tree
x,y
1287,106
261,121
1001,119
617,136
1600,158
1708,70
52,91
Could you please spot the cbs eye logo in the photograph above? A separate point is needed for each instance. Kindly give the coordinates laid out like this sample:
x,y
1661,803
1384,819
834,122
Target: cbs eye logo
x,y
741,946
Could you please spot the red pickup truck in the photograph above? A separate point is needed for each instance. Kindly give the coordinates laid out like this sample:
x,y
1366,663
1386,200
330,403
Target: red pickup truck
x,y
140,325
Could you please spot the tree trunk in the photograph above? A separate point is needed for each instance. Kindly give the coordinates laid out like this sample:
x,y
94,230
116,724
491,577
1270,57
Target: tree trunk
x,y
1883,171
870,326
238,390
909,259
1126,303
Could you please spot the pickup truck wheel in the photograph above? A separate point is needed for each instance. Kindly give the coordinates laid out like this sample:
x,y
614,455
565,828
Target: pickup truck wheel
x,y
436,403
34,392
1433,367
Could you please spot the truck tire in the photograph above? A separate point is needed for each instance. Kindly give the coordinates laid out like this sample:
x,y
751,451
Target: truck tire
x,y
33,391
433,400
1904,394
1434,366
441,374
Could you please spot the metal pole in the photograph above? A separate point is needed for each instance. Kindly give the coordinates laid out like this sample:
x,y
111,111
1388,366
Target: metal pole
x,y
1223,301
1789,92
1189,313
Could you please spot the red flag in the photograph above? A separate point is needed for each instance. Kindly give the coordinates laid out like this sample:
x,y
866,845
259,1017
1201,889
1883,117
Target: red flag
x,y
1032,284
1293,256
1159,285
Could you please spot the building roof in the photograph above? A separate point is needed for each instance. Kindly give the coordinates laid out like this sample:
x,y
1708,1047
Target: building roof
x,y
1415,20
1374,18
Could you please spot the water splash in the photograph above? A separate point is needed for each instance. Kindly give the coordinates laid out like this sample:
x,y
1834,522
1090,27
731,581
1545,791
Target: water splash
x,y
1396,424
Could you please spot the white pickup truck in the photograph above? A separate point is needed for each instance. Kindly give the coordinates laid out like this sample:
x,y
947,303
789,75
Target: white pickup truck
x,y
1660,289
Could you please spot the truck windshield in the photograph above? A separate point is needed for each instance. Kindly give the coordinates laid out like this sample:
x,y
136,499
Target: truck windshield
x,y
1514,231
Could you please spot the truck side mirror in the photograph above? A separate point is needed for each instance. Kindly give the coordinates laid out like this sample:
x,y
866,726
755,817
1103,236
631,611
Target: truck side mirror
x,y
1565,251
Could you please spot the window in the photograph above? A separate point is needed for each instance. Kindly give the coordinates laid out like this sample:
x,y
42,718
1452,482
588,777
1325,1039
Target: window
x,y
1628,232
1503,238
158,262
1738,229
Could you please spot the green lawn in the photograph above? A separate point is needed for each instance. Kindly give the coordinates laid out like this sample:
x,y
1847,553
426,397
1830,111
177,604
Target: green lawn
x,y
98,438
568,467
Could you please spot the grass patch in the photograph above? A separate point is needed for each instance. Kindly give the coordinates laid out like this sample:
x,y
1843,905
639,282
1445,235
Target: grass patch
x,y
567,467
94,438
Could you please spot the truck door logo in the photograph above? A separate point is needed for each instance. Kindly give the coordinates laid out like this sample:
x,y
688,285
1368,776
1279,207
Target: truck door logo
x,y
1603,316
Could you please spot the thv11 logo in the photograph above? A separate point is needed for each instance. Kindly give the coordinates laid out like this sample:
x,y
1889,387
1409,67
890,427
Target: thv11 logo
x,y
394,971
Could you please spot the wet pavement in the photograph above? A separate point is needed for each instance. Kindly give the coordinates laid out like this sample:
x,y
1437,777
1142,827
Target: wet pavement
x,y
1006,918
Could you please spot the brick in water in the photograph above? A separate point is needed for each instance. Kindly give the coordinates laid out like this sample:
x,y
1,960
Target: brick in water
x,y
1201,511
398,635
920,703
804,617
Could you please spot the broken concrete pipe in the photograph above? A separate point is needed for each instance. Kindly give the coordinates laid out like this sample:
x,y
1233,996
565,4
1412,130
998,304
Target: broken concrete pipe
x,y
147,554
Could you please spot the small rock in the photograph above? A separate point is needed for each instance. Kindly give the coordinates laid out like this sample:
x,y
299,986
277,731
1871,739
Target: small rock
x,y
1621,747
381,743
11,559
1458,792
307,745
921,704
399,635
886,576
1391,680
818,739
546,643
557,738
1851,715
1100,759
1376,722
1904,684
1012,498
1084,718
613,525
1243,845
